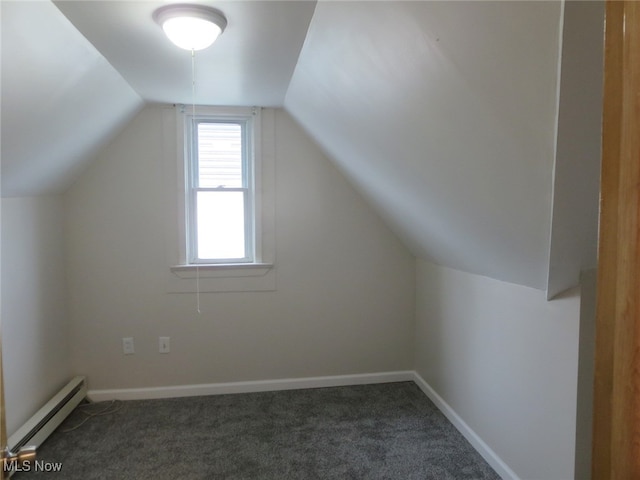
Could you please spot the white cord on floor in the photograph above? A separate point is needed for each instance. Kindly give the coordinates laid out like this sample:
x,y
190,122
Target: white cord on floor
x,y
113,407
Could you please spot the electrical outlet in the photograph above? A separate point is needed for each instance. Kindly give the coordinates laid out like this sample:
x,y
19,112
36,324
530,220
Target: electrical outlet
x,y
164,345
127,346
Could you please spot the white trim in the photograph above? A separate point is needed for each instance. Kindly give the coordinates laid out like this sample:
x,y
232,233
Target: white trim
x,y
478,444
551,290
221,270
249,121
259,276
249,387
474,439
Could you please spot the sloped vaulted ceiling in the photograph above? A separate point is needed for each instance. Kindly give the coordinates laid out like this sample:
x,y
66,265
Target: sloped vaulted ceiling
x,y
61,100
74,72
444,115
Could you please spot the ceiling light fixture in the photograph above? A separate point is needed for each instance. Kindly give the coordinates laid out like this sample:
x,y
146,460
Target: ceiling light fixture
x,y
192,27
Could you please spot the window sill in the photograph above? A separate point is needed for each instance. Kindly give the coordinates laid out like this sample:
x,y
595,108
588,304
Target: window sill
x,y
221,270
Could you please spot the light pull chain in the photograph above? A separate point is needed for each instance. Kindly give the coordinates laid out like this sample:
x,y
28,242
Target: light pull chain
x,y
193,125
193,83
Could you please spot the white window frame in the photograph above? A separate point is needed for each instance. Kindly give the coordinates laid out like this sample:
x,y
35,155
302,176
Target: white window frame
x,y
257,275
250,125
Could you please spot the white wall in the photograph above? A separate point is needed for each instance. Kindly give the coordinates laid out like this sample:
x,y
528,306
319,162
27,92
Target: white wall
x,y
428,106
576,181
506,361
35,347
586,372
344,300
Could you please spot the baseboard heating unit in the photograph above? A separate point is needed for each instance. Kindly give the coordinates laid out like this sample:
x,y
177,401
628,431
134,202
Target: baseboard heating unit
x,y
46,420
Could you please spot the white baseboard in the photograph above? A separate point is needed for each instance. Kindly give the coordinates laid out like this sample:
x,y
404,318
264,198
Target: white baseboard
x,y
474,439
248,387
314,382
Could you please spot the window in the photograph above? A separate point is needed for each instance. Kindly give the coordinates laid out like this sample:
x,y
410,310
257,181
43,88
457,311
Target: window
x,y
220,190
220,199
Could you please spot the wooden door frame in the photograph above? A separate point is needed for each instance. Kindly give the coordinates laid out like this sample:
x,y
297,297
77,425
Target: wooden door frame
x,y
616,420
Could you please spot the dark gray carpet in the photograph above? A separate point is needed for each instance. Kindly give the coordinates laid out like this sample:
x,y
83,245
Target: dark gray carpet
x,y
387,431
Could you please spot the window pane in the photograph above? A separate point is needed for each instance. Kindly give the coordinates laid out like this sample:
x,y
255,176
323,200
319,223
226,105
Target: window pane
x,y
220,225
219,155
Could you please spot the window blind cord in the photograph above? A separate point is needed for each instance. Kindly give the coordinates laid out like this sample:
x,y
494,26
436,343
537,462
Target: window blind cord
x,y
193,114
193,83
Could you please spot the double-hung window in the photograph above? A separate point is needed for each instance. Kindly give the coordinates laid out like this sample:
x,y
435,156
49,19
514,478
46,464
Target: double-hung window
x,y
220,189
222,236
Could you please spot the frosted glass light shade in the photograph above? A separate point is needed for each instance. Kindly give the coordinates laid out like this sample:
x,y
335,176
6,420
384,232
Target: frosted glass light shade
x,y
192,27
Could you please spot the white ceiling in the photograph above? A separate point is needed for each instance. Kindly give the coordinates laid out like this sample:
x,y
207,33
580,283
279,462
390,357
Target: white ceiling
x,y
61,100
447,126
75,72
251,63
443,114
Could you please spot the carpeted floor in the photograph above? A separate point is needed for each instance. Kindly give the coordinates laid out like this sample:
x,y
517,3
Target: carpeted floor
x,y
385,431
